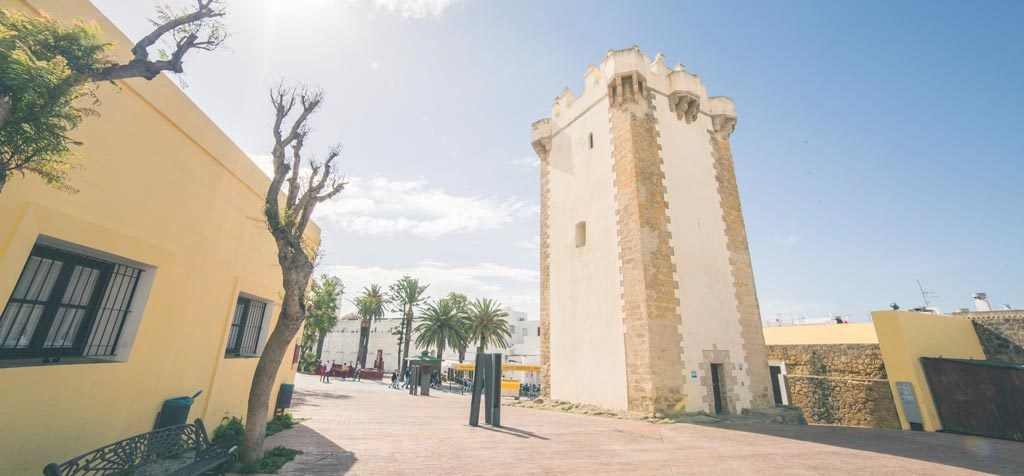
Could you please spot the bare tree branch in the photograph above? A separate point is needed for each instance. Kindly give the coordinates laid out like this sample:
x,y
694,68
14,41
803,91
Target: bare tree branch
x,y
288,221
198,29
203,11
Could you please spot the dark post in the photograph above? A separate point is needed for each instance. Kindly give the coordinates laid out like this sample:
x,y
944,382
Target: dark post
x,y
474,405
486,381
488,397
496,390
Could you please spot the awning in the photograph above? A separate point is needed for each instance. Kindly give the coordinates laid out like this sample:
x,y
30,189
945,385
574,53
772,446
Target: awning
x,y
469,367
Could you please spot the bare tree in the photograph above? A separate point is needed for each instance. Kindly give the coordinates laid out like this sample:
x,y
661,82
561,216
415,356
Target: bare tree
x,y
303,183
198,29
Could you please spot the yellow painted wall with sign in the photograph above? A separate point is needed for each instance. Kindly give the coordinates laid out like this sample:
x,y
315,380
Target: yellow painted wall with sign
x,y
163,186
905,337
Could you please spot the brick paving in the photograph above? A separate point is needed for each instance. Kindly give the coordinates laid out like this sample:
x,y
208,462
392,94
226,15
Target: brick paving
x,y
365,428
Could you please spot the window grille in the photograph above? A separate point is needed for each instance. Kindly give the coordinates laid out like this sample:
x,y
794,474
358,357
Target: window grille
x,y
246,327
67,304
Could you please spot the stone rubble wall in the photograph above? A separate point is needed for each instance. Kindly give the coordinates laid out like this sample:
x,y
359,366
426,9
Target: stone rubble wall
x,y
1002,338
838,384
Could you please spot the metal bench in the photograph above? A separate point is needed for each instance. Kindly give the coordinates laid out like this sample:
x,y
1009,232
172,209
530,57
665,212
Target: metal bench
x,y
149,450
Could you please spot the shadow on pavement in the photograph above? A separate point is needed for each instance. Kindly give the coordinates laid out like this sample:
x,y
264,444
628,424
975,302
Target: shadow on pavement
x,y
508,430
303,395
970,452
319,455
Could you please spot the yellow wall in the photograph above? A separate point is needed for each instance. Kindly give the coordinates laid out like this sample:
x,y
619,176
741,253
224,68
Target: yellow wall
x,y
905,337
161,185
863,333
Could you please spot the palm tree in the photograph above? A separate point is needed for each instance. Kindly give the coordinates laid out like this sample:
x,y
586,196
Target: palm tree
x,y
369,307
405,295
487,324
459,301
441,325
322,315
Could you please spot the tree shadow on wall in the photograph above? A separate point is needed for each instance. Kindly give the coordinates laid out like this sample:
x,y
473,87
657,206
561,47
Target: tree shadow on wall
x,y
319,455
970,452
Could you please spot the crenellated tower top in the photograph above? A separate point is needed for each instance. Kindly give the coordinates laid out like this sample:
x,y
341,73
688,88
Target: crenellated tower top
x,y
626,77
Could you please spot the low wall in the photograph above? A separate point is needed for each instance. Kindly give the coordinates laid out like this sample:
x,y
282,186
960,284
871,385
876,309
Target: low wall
x,y
1002,338
838,384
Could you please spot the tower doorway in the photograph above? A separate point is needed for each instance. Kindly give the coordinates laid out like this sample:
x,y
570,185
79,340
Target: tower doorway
x,y
716,387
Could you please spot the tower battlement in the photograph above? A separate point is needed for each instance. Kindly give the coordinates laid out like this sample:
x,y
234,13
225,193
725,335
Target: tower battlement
x,y
647,291
686,93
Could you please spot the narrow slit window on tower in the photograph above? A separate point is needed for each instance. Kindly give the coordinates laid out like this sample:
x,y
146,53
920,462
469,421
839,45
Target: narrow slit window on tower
x,y
590,140
581,234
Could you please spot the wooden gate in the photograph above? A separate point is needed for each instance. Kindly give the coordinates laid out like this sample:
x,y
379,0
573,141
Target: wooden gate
x,y
978,397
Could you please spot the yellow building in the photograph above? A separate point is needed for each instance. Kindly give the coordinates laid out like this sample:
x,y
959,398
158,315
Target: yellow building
x,y
906,337
868,374
156,280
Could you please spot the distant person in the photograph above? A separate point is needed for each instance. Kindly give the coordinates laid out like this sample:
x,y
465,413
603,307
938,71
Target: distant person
x,y
320,370
359,370
327,371
405,378
394,379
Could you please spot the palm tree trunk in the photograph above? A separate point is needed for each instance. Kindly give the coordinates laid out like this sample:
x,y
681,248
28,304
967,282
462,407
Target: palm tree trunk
x,y
401,341
408,337
364,342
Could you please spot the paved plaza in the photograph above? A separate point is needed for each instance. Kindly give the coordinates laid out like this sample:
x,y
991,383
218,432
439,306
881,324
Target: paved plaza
x,y
366,428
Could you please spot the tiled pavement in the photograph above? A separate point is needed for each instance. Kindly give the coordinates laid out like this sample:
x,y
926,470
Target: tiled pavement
x,y
365,428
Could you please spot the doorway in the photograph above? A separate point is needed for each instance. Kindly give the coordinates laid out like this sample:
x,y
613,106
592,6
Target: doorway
x,y
775,371
716,388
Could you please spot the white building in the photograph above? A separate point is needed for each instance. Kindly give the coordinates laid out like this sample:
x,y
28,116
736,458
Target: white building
x,y
342,344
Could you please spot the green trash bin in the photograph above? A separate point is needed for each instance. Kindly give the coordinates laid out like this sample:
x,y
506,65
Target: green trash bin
x,y
175,411
284,397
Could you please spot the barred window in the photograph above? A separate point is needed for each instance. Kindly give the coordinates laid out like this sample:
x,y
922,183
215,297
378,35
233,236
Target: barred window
x,y
67,304
246,326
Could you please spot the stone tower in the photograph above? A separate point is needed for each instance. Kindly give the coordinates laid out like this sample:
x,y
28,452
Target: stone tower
x,y
647,291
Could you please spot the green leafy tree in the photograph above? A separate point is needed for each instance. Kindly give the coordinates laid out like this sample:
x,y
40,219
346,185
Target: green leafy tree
x,y
441,326
487,324
461,304
48,76
322,316
297,186
370,307
405,296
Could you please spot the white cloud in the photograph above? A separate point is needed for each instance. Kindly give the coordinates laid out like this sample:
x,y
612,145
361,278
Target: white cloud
x,y
528,162
516,287
531,244
416,8
381,206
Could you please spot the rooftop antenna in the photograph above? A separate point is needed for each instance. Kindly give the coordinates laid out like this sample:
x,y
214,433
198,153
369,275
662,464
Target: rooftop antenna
x,y
925,294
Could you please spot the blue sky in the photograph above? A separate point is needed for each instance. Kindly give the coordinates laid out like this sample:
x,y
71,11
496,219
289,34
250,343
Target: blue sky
x,y
878,142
